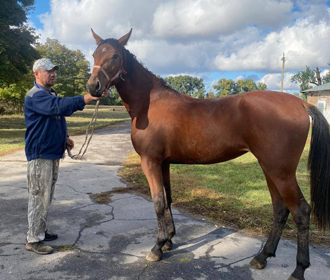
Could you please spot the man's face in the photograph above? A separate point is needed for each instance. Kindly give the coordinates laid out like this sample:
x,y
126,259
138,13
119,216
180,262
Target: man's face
x,y
46,78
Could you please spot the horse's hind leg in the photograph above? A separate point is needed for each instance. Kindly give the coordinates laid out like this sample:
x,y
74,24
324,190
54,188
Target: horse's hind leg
x,y
281,213
300,211
289,191
170,228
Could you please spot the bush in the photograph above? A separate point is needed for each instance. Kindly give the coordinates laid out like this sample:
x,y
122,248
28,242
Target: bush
x,y
12,99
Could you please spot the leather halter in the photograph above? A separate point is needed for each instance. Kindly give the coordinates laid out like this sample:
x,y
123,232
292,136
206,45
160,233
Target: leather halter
x,y
110,80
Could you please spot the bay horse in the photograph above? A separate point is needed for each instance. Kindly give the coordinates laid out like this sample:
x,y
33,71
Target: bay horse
x,y
169,127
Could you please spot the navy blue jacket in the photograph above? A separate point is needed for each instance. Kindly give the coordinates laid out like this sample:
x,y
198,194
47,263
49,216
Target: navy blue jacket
x,y
46,130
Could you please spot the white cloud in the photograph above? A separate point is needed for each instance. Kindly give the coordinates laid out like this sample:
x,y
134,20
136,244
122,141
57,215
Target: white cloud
x,y
273,82
303,44
213,17
200,36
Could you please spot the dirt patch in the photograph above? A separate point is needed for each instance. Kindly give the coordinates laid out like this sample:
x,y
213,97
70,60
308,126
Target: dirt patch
x,y
101,198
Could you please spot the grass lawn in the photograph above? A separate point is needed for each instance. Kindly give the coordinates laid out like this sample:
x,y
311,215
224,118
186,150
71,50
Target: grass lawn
x,y
12,127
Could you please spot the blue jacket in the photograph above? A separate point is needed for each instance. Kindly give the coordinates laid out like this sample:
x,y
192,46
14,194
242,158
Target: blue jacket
x,y
46,130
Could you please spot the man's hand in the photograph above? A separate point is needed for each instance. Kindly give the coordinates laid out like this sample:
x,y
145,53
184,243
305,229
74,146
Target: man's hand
x,y
88,98
70,143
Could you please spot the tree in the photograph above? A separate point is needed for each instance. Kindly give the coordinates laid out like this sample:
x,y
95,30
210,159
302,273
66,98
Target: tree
x,y
186,84
261,86
246,85
73,70
326,78
16,41
309,76
304,78
210,95
226,87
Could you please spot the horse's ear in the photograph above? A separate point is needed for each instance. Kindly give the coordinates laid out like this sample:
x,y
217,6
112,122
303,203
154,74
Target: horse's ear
x,y
123,40
97,38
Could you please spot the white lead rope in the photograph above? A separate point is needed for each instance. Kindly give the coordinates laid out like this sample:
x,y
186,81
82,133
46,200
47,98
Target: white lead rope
x,y
88,138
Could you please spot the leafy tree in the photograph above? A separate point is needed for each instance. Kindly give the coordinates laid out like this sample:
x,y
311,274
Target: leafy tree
x,y
16,39
326,78
12,96
304,78
209,95
226,87
261,86
186,84
246,85
309,76
73,70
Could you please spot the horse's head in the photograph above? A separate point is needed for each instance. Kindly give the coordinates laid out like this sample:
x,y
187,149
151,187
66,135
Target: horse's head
x,y
108,63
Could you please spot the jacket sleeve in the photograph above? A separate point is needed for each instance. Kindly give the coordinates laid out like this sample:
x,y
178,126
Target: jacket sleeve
x,y
50,105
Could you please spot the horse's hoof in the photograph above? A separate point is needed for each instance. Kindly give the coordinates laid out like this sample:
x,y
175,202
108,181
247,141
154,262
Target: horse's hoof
x,y
153,257
257,265
167,246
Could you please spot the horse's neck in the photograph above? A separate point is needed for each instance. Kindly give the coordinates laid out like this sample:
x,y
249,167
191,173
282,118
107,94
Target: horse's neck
x,y
135,91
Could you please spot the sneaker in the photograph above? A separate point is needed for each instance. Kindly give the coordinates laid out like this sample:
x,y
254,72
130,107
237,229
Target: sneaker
x,y
39,248
50,236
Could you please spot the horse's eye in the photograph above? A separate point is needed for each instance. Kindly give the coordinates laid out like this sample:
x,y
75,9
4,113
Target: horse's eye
x,y
115,56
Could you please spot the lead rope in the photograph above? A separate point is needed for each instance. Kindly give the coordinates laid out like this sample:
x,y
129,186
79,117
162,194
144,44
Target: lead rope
x,y
94,117
88,138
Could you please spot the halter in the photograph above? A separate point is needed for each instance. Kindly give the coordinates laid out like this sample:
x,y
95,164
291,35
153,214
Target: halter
x,y
110,80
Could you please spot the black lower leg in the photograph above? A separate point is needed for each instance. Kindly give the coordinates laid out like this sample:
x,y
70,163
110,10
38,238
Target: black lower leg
x,y
302,219
280,218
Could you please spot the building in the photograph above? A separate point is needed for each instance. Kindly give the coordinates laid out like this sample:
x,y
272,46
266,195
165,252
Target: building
x,y
320,97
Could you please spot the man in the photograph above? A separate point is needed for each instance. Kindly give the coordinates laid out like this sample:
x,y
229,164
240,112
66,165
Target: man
x,y
45,142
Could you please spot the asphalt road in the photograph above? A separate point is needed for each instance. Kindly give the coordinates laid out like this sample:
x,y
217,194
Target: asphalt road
x,y
110,241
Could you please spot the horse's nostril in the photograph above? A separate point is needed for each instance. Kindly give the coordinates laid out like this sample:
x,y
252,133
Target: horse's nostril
x,y
97,86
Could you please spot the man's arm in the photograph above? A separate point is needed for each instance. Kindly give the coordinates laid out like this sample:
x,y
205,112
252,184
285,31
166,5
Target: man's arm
x,y
50,105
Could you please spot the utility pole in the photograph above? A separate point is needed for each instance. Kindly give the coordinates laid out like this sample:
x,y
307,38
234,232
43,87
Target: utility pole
x,y
283,61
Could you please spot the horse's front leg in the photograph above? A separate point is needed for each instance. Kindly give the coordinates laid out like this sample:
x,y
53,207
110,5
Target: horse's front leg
x,y
153,171
170,228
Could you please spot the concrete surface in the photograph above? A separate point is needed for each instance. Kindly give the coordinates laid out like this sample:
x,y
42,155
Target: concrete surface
x,y
110,241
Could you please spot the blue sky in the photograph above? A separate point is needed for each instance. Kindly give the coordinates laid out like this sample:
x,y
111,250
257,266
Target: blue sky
x,y
210,39
41,7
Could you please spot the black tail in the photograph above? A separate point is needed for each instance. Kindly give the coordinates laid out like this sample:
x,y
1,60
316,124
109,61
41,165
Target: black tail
x,y
319,168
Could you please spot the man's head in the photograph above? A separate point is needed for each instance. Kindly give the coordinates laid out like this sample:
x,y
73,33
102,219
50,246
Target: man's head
x,y
44,72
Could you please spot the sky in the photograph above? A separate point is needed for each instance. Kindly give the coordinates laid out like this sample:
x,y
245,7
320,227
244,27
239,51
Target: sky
x,y
209,39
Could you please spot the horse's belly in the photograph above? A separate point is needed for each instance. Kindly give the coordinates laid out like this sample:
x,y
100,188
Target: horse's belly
x,y
205,154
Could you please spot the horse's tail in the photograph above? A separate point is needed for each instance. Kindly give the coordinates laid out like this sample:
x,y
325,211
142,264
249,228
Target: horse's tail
x,y
319,168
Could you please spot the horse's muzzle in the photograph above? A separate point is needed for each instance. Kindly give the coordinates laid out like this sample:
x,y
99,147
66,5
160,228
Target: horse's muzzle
x,y
94,88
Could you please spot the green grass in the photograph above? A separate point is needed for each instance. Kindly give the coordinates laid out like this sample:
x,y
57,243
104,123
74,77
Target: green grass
x,y
64,248
12,127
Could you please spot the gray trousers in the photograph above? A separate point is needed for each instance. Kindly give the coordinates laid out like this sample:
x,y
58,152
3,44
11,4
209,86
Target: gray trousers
x,y
41,178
